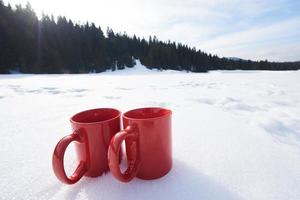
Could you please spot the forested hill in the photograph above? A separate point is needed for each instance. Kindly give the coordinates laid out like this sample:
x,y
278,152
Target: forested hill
x,y
49,45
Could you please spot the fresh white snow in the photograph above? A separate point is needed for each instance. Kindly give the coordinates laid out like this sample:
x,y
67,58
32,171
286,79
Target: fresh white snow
x,y
236,134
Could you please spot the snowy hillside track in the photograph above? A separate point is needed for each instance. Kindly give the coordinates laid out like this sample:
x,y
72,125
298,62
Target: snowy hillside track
x,y
236,134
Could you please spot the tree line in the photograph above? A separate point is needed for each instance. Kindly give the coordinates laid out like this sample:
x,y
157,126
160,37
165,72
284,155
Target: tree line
x,y
47,45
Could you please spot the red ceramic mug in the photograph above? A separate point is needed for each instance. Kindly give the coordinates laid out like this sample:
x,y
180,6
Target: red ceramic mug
x,y
92,132
148,140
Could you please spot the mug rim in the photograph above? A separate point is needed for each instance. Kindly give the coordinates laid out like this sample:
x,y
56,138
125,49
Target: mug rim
x,y
169,113
97,122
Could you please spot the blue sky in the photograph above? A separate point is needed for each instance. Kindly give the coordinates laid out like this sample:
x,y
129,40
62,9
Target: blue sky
x,y
249,29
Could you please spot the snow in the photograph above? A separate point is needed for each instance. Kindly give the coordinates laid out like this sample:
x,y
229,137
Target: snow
x,y
236,134
139,69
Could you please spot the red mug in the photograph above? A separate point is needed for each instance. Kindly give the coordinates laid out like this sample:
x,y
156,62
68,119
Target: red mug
x,y
148,140
92,132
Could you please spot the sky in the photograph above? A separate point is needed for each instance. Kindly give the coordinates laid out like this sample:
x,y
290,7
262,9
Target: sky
x,y
248,29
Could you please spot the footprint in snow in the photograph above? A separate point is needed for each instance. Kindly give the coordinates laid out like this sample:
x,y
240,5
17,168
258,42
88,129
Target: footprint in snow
x,y
233,104
204,101
55,92
123,88
33,91
112,97
77,90
49,88
286,132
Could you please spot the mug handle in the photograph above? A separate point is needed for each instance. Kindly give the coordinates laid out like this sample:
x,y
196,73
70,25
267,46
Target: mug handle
x,y
114,151
58,160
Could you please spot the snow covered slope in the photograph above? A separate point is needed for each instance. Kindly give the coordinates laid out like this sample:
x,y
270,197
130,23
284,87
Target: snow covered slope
x,y
236,134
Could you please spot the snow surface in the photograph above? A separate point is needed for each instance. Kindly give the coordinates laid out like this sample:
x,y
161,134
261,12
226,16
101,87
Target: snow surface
x,y
236,134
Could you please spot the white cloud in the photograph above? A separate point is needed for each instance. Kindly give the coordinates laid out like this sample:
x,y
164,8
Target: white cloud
x,y
259,42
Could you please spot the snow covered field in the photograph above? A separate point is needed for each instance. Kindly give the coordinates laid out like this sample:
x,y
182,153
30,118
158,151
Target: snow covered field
x,y
236,134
